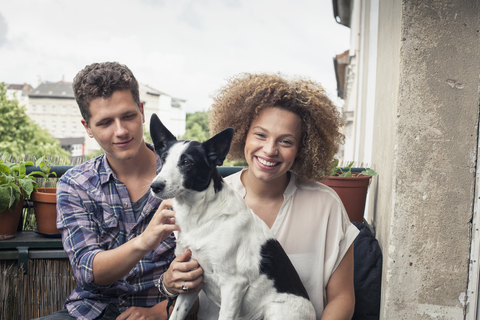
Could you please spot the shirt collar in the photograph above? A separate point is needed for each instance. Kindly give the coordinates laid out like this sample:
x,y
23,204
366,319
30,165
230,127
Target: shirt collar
x,y
106,172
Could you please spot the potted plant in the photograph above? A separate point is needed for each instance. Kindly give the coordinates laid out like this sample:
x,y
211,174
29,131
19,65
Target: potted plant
x,y
351,187
45,201
15,186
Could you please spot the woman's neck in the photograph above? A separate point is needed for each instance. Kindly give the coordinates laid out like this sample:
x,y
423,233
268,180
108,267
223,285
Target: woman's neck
x,y
272,189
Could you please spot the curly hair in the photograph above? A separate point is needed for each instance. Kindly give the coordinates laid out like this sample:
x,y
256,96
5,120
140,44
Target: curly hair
x,y
244,96
101,80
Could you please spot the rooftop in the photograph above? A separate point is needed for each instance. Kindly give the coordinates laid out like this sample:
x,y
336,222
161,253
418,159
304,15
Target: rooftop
x,y
53,90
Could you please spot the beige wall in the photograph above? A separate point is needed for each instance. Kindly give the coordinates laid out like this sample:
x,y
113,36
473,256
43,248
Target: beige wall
x,y
425,148
57,111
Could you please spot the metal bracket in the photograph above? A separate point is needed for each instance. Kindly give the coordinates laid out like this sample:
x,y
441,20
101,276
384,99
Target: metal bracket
x,y
23,258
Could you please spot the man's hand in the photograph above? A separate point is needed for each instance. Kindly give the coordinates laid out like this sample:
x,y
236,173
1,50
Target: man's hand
x,y
160,227
111,265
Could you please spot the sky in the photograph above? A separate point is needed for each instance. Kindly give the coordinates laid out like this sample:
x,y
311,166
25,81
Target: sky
x,y
185,48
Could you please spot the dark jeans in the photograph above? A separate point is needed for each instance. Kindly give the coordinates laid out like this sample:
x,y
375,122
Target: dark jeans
x,y
110,313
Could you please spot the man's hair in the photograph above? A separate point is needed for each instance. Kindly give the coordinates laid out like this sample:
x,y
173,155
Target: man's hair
x,y
101,80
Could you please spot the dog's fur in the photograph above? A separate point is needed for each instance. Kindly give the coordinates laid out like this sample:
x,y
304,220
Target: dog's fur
x,y
246,272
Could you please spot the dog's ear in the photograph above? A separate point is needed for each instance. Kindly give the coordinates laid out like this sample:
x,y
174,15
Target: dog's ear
x,y
159,133
218,146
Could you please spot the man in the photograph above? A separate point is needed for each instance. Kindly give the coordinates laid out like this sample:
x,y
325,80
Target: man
x,y
118,237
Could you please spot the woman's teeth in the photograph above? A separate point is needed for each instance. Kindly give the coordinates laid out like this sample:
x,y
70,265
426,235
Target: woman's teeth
x,y
267,163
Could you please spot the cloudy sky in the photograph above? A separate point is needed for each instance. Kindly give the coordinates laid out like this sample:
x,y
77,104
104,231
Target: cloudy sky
x,y
186,48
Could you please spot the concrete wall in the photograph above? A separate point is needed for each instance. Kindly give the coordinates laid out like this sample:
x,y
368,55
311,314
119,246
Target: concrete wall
x,y
425,146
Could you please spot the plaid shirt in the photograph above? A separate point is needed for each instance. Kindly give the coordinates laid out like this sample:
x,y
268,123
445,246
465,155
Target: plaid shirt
x,y
94,213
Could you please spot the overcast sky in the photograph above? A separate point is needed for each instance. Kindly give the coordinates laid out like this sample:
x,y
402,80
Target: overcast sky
x,y
184,48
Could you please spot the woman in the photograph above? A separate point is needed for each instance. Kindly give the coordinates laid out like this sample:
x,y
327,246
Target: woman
x,y
288,132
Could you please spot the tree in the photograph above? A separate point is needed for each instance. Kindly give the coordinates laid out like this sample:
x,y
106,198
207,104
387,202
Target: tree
x,y
20,135
196,127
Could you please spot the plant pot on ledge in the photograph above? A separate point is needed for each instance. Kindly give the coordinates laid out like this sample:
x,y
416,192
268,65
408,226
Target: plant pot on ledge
x,y
45,205
45,201
351,185
15,185
9,221
353,193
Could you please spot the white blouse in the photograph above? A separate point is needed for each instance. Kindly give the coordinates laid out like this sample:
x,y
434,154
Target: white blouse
x,y
314,230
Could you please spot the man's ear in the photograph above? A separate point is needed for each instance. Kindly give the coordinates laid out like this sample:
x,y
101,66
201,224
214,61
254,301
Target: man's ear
x,y
159,133
142,110
218,146
87,128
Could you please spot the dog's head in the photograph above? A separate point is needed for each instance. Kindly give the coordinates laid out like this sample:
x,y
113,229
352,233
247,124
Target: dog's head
x,y
187,165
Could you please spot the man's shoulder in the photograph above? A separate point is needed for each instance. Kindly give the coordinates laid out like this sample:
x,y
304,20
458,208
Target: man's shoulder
x,y
84,173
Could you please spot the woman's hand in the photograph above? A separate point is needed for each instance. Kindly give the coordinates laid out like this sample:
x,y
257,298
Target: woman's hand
x,y
160,227
183,272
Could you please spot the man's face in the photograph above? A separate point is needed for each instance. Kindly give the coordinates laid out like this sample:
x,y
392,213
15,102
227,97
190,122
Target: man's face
x,y
117,125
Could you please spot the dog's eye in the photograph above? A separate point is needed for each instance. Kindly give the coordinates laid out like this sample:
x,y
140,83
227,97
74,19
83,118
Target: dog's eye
x,y
186,162
163,158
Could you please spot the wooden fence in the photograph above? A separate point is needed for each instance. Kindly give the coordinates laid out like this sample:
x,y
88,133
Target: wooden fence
x,y
40,292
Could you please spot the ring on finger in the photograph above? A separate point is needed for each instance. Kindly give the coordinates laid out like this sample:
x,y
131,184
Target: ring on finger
x,y
184,287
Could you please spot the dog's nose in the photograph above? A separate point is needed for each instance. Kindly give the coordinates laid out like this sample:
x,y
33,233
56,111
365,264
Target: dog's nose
x,y
157,186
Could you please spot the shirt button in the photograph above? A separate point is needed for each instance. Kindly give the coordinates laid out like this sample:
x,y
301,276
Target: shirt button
x,y
125,205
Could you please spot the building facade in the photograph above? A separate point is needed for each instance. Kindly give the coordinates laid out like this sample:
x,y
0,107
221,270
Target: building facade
x,y
412,92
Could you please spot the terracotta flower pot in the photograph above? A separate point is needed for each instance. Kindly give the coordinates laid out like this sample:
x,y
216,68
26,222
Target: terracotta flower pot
x,y
45,205
353,193
9,221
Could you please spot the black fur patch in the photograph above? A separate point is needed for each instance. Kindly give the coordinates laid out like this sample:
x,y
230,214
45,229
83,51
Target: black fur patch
x,y
277,267
194,165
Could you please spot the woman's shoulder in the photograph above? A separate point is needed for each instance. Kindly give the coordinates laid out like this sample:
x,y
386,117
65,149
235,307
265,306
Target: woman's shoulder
x,y
315,188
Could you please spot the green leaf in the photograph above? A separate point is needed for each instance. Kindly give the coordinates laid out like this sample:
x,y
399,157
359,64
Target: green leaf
x,y
40,173
346,174
4,198
4,168
27,187
15,198
369,172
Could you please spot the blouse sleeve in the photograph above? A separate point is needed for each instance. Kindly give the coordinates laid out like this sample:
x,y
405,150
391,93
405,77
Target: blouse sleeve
x,y
340,234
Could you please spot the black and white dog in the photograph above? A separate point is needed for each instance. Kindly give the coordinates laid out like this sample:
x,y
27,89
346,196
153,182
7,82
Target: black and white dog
x,y
246,272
